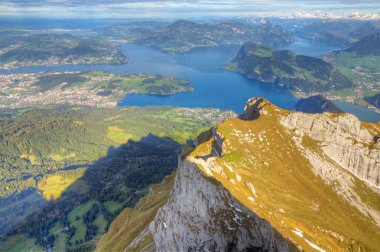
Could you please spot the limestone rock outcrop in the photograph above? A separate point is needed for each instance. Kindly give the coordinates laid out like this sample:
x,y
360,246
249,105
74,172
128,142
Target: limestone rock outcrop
x,y
343,139
201,215
253,107
274,180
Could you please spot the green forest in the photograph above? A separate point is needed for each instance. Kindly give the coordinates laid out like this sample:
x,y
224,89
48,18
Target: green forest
x,y
83,166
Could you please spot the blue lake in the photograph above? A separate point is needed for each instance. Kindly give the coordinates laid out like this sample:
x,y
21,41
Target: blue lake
x,y
214,86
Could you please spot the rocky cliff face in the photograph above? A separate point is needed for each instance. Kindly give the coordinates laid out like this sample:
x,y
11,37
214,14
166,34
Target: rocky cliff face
x,y
343,139
276,180
200,215
273,180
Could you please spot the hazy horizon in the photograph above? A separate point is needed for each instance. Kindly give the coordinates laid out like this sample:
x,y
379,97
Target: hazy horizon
x,y
179,8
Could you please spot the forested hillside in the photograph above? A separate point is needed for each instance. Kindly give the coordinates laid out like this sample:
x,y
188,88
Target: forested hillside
x,y
77,168
296,72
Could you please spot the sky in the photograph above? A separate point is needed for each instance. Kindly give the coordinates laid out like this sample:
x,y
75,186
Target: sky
x,y
177,8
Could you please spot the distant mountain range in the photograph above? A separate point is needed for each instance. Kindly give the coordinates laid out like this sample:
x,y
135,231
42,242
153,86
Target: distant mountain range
x,y
340,32
297,72
369,28
131,30
363,57
330,15
182,35
369,45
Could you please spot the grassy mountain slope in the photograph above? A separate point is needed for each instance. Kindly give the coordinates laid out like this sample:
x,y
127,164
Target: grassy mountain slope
x,y
297,72
267,167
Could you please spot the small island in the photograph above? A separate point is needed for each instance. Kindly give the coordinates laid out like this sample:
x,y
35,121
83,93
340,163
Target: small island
x,y
21,50
94,88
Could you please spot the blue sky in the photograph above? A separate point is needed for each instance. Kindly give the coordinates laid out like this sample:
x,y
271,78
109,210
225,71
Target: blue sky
x,y
176,8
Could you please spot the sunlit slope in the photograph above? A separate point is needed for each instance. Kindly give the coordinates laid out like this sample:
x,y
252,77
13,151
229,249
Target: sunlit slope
x,y
276,167
129,230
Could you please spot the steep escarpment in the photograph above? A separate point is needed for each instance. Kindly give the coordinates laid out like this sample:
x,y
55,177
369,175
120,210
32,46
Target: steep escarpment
x,y
343,139
270,180
201,215
273,183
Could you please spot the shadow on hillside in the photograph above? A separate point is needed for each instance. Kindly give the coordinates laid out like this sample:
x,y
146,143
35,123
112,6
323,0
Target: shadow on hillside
x,y
122,176
14,209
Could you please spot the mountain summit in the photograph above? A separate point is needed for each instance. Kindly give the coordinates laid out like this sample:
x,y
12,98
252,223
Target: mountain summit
x,y
272,180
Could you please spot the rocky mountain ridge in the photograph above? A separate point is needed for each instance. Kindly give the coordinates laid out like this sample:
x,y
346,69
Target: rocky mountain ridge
x,y
206,217
343,140
275,180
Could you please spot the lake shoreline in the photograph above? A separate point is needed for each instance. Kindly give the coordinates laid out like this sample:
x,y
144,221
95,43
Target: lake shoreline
x,y
213,87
